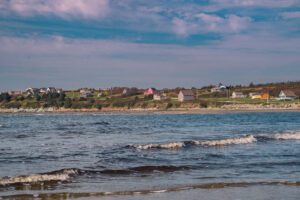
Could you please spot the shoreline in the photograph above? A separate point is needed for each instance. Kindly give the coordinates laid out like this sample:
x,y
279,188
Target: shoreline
x,y
150,111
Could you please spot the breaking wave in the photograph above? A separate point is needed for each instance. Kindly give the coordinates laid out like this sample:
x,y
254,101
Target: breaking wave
x,y
281,136
66,174
59,175
176,145
241,140
222,142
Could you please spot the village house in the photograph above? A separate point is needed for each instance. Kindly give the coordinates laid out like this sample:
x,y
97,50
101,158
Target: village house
x,y
265,95
149,91
186,95
287,95
237,95
130,91
51,90
159,96
85,92
32,91
43,90
219,88
15,93
255,95
59,91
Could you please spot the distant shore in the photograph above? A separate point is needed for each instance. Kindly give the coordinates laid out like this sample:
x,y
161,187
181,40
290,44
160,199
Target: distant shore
x,y
222,110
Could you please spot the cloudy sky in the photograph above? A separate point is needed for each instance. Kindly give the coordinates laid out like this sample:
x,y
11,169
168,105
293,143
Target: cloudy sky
x,y
160,43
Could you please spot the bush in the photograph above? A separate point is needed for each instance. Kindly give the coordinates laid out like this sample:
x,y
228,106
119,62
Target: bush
x,y
148,97
169,105
144,105
5,97
67,103
119,104
203,104
12,105
98,106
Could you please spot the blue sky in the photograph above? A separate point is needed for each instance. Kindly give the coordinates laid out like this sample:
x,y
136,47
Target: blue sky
x,y
160,43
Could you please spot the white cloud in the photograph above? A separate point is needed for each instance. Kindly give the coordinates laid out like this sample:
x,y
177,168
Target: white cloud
x,y
61,8
237,24
180,27
257,3
290,15
212,21
228,24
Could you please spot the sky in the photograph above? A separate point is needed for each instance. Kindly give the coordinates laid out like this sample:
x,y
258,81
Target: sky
x,y
147,43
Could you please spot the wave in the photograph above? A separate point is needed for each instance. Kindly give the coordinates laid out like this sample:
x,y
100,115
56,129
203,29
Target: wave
x,y
100,123
176,145
66,174
215,186
281,136
222,142
59,175
241,140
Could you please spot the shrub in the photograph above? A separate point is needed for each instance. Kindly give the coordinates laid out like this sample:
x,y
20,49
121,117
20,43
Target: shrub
x,y
169,105
203,104
68,103
148,97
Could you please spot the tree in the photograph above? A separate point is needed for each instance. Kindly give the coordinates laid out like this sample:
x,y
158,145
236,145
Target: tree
x,y
5,97
68,103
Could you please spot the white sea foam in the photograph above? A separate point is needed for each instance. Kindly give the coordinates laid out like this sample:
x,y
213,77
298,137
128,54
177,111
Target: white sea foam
x,y
284,136
174,145
61,175
241,140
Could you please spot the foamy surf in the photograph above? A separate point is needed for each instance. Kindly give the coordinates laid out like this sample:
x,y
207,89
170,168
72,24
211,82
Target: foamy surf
x,y
281,136
60,175
241,140
176,145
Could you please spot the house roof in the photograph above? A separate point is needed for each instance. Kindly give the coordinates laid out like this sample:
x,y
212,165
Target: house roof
x,y
289,93
187,92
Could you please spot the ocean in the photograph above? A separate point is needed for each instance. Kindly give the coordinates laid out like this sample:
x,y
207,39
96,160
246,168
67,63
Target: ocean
x,y
150,156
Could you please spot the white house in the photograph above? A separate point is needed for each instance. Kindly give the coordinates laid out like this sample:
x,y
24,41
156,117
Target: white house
x,y
186,95
158,96
287,95
219,88
85,92
238,95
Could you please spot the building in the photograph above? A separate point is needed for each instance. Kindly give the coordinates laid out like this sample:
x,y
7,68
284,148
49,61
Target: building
x,y
265,95
149,91
287,95
51,90
130,91
186,95
158,96
43,90
238,95
32,91
85,92
255,95
15,93
219,88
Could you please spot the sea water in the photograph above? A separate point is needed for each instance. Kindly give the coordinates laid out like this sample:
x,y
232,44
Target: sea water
x,y
150,156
